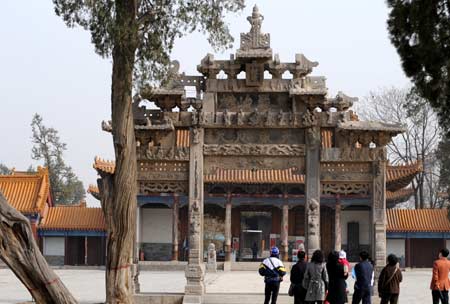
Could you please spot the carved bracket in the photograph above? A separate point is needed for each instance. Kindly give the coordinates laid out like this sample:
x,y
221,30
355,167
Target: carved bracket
x,y
345,188
146,188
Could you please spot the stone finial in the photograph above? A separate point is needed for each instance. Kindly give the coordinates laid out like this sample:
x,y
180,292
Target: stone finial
x,y
255,44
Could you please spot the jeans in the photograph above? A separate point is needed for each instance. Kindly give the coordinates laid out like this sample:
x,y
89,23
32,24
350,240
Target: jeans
x,y
361,294
440,295
271,289
389,298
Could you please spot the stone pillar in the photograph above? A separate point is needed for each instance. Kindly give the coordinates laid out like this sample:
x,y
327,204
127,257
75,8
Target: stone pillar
x,y
337,226
284,232
195,287
228,230
312,208
175,224
379,213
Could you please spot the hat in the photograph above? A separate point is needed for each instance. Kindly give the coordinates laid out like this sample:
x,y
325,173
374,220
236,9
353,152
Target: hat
x,y
274,251
342,254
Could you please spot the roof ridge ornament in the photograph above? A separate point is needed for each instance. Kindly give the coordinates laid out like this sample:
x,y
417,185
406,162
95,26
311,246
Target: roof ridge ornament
x,y
255,44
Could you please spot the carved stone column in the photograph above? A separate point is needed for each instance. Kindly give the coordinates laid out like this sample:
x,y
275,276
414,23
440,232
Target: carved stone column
x,y
175,224
337,227
379,213
195,270
284,232
312,228
228,230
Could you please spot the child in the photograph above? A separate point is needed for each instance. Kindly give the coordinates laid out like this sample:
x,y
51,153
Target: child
x,y
343,261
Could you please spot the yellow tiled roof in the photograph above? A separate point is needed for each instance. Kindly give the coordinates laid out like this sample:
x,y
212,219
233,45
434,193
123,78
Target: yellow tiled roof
x,y
26,192
286,176
417,220
73,218
400,176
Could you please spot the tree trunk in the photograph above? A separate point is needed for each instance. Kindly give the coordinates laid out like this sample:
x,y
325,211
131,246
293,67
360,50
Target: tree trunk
x,y
121,205
18,249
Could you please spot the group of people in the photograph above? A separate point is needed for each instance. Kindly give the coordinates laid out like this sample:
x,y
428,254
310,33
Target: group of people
x,y
320,282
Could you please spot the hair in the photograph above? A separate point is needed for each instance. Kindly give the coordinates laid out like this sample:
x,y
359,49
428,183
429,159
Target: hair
x,y
301,255
392,259
444,252
333,257
317,257
364,255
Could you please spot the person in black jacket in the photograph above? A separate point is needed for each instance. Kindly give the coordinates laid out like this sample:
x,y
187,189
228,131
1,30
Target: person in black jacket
x,y
336,275
297,273
363,283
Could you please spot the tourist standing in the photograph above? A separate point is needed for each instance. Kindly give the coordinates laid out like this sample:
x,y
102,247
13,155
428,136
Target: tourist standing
x,y
273,271
364,277
439,282
389,281
297,274
337,274
315,280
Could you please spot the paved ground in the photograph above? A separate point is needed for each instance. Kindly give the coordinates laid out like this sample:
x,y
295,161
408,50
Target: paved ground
x,y
88,285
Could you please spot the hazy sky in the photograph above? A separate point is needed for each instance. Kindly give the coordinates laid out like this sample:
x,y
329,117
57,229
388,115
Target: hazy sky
x,y
49,69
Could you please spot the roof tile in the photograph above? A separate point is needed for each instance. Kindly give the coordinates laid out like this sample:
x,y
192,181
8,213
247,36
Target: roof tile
x,y
417,220
73,218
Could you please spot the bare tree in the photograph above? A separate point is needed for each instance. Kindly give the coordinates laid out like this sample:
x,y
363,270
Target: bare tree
x,y
418,143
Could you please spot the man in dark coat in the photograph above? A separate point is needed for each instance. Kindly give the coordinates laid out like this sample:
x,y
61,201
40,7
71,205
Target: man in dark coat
x,y
337,275
272,269
297,274
363,283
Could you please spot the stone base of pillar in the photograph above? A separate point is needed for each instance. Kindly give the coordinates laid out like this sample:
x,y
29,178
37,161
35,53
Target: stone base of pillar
x,y
195,286
190,299
227,266
175,253
227,253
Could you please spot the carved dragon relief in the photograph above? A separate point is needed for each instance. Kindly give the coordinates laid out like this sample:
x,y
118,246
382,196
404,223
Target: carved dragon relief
x,y
254,149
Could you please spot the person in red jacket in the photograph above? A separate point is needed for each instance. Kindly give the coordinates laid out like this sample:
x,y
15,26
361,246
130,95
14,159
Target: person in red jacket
x,y
440,283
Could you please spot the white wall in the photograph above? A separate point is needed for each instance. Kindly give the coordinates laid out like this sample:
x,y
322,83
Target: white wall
x,y
54,246
363,218
396,246
156,225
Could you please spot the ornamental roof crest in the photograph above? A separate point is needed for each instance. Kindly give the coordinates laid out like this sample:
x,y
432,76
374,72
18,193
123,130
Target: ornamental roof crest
x,y
254,43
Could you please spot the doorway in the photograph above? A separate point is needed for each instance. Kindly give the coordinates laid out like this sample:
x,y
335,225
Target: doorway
x,y
255,234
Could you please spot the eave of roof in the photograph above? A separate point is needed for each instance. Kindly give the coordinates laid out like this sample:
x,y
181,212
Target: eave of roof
x,y
417,220
73,218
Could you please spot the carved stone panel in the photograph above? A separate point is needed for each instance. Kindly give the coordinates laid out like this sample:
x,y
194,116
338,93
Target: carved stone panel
x,y
163,176
212,163
352,154
248,102
254,136
336,171
345,188
146,188
255,149
160,153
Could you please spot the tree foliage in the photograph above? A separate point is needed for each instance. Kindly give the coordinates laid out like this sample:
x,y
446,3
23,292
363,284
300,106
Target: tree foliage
x,y
65,187
418,143
443,156
420,31
4,170
157,24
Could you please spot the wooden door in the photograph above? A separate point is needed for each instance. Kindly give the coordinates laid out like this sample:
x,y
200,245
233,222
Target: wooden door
x,y
96,251
353,241
424,252
75,250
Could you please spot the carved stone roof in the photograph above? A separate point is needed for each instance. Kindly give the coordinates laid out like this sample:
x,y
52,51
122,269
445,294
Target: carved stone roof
x,y
417,220
27,192
74,218
246,176
371,126
400,176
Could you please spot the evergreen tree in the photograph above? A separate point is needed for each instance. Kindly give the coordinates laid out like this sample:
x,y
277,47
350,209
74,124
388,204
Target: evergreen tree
x,y
443,156
65,186
4,170
420,31
139,36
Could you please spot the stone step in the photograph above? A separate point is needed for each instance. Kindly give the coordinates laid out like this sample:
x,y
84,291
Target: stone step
x,y
236,298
